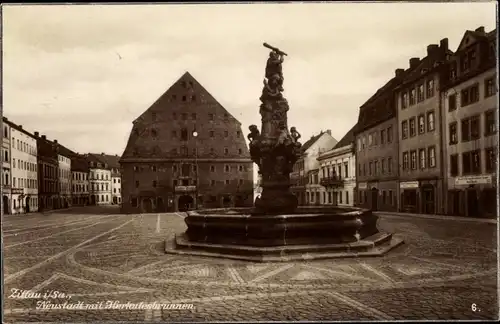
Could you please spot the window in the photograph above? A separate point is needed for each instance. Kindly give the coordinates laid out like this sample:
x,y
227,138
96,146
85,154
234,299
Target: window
x,y
184,134
212,150
193,98
211,117
412,127
212,168
490,126
405,160
184,116
175,182
227,168
370,168
389,134
469,95
413,160
174,134
240,168
359,144
489,87
226,151
430,121
470,128
227,181
137,184
238,134
193,115
454,165
154,183
375,167
240,151
430,88
184,151
212,134
421,155
382,136
382,164
404,129
491,160
226,116
432,156
184,98
363,142
212,183
453,133
412,96
471,162
389,165
420,93
154,133
421,124
370,140
226,134
346,170
452,102
404,100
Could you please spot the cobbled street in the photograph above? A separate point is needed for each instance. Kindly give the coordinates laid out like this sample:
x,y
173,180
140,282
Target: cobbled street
x,y
447,269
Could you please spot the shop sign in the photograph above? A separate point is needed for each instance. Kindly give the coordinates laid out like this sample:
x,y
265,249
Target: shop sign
x,y
17,191
472,180
408,185
185,188
362,185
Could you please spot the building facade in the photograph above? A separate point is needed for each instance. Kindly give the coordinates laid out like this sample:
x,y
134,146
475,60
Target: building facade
x,y
186,151
79,181
6,168
471,138
99,180
377,180
24,189
305,175
113,163
65,175
48,173
337,173
419,104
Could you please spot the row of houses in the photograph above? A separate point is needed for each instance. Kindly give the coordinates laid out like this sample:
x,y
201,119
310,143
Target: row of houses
x,y
39,174
425,142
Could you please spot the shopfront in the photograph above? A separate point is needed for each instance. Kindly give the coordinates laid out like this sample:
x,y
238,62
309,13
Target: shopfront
x,y
409,196
473,196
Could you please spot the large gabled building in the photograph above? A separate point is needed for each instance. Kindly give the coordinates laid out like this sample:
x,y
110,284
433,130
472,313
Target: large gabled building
x,y
186,151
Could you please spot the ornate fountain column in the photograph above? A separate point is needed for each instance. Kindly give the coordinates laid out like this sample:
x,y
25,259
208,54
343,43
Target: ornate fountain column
x,y
275,149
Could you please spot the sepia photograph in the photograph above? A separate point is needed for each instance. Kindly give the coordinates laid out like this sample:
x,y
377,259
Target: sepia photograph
x,y
249,162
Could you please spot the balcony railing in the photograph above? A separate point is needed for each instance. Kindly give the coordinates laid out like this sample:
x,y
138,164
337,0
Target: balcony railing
x,y
332,181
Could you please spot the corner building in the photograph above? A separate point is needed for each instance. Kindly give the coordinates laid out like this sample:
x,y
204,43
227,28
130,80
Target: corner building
x,y
186,151
420,132
377,182
471,137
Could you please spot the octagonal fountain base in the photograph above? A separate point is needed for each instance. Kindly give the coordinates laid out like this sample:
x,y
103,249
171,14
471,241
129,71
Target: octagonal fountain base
x,y
307,234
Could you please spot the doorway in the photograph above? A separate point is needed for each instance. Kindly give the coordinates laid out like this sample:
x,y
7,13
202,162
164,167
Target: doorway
x,y
226,201
185,203
374,196
147,205
472,203
5,204
27,204
428,200
160,206
92,200
115,200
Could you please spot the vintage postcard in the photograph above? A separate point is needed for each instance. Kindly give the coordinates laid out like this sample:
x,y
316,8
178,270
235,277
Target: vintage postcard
x,y
249,162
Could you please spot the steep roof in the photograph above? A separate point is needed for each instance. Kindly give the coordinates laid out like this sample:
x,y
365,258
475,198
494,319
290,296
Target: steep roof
x,y
19,128
471,36
64,151
347,139
111,160
311,141
79,163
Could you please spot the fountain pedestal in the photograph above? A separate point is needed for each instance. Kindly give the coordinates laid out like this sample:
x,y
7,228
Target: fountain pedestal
x,y
275,229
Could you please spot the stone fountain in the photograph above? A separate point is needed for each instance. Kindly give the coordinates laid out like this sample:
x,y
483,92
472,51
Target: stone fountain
x,y
276,229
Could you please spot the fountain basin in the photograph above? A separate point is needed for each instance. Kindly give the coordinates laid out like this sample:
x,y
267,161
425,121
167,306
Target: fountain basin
x,y
308,233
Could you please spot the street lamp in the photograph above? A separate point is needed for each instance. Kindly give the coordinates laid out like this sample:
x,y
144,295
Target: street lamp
x,y
195,135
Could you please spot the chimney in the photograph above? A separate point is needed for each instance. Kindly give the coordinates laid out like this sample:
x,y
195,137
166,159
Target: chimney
x,y
414,62
102,154
55,141
329,131
444,44
44,137
431,49
480,29
20,126
399,72
37,134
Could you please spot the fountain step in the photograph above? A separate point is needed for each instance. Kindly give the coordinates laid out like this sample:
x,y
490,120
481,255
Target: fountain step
x,y
375,245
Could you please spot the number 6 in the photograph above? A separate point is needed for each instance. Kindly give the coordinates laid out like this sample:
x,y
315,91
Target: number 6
x,y
473,307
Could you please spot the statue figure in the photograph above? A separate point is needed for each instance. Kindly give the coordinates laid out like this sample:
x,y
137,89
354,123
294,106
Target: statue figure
x,y
274,67
271,90
254,135
295,135
283,138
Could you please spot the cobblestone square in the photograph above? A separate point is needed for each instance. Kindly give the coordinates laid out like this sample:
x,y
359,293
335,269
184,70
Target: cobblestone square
x,y
446,269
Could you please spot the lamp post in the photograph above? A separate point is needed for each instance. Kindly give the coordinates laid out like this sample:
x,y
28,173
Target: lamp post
x,y
195,135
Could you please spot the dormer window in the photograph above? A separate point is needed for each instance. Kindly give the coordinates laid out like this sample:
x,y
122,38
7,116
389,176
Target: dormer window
x,y
154,133
191,84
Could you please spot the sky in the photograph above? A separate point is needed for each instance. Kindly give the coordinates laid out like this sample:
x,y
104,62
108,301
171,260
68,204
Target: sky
x,y
82,73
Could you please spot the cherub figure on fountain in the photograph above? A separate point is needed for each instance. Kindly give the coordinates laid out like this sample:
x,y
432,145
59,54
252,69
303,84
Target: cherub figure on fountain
x,y
254,138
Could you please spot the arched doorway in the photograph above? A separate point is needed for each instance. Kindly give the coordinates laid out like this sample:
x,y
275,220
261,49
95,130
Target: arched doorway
x,y
5,204
28,207
472,202
92,200
160,206
226,201
147,205
185,202
428,201
374,200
